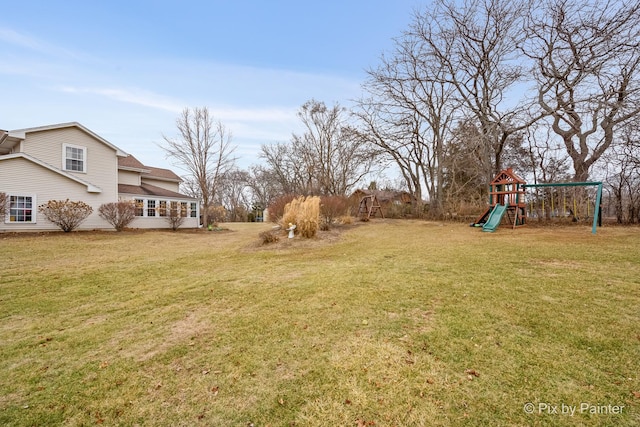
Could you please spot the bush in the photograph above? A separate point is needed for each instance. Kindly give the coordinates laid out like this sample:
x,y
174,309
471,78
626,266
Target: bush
x,y
269,237
174,218
216,215
331,208
276,208
305,214
119,214
4,204
346,220
66,214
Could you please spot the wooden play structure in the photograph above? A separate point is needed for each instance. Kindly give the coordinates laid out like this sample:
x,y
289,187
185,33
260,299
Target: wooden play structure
x,y
369,206
507,197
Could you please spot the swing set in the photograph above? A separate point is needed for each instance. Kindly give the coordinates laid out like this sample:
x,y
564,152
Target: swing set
x,y
507,196
554,203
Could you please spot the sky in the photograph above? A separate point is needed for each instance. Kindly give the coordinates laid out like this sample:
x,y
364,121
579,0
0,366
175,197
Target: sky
x,y
126,69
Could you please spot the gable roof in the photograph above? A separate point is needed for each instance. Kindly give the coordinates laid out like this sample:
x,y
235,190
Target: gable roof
x,y
21,133
162,174
132,164
507,176
90,187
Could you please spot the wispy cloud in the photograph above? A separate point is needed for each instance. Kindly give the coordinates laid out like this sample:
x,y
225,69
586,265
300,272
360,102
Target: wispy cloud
x,y
10,36
25,41
224,113
137,97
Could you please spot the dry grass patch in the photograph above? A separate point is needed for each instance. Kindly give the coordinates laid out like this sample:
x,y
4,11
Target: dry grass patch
x,y
390,322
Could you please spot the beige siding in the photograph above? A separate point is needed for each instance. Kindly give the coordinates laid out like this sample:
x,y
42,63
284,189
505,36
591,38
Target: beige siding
x,y
29,179
167,185
154,223
128,177
102,162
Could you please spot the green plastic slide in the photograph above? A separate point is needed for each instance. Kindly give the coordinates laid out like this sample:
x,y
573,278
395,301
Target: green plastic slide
x,y
494,218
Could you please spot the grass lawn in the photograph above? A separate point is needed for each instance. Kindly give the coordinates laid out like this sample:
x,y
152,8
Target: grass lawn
x,y
386,323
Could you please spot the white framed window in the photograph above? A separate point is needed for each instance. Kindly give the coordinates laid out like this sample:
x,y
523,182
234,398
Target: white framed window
x,y
194,210
74,158
139,207
162,210
151,208
22,209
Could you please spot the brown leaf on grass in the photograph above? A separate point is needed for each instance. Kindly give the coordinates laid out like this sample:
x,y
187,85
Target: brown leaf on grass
x,y
636,394
472,372
281,401
215,390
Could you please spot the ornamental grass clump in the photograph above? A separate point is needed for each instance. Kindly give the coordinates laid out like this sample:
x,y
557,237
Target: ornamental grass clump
x,y
304,212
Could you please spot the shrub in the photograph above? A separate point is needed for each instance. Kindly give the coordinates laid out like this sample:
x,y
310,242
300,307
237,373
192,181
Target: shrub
x,y
66,214
4,204
346,220
276,208
119,214
331,208
174,218
305,214
269,237
216,214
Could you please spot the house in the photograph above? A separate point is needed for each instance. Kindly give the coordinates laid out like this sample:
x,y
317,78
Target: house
x,y
69,161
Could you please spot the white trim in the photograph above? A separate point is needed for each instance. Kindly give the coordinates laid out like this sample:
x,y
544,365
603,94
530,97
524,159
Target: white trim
x,y
65,158
132,169
21,133
169,200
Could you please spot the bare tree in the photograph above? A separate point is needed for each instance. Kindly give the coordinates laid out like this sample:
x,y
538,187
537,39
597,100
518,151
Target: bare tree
x,y
475,43
623,174
264,184
464,177
234,194
286,168
456,63
586,61
326,159
396,136
408,116
203,149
